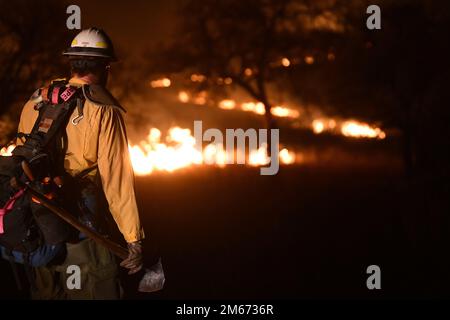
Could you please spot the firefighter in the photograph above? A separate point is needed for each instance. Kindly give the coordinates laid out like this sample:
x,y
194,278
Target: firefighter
x,y
97,149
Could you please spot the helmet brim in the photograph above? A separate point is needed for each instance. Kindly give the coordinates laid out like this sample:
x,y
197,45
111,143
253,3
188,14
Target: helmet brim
x,y
82,52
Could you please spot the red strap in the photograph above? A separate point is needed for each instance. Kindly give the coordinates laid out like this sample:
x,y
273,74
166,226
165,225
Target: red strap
x,y
55,95
8,207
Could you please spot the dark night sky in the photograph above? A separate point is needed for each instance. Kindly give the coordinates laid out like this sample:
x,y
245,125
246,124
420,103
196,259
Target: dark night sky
x,y
132,24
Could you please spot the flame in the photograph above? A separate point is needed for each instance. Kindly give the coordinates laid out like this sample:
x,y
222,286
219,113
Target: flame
x,y
214,154
179,151
257,108
285,62
200,99
155,155
361,130
161,83
227,104
280,111
197,77
349,128
183,96
321,125
7,151
259,156
230,104
318,126
286,156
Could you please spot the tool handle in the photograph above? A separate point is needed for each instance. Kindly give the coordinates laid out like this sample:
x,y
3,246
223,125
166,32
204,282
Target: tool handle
x,y
28,172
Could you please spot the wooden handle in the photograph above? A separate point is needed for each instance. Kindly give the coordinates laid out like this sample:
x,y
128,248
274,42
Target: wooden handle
x,y
26,168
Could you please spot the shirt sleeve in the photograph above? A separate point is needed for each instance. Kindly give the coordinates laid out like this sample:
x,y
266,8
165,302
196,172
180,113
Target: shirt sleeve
x,y
117,175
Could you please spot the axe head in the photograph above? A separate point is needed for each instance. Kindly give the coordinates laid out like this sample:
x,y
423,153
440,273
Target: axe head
x,y
153,279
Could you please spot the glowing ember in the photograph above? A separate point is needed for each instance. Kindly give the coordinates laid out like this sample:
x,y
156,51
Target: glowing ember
x,y
361,130
309,59
321,125
287,157
279,111
200,98
331,124
318,126
7,151
197,78
350,128
183,96
227,104
257,108
161,83
285,62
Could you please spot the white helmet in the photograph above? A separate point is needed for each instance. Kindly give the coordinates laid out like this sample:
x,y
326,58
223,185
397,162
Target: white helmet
x,y
91,42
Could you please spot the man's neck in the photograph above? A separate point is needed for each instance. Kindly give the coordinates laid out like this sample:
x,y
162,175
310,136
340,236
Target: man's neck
x,y
89,79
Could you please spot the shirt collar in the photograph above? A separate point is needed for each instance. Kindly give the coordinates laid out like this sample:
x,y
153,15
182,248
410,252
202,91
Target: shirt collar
x,y
77,82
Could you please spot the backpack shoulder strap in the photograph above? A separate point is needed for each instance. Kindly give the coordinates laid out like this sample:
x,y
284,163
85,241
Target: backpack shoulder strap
x,y
55,106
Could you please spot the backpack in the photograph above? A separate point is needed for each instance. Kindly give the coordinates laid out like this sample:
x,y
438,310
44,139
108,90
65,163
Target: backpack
x,y
24,223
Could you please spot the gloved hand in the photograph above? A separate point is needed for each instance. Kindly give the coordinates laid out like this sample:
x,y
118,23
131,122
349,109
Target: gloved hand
x,y
134,260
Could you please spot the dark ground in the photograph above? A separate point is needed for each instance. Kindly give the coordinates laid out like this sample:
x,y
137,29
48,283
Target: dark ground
x,y
309,232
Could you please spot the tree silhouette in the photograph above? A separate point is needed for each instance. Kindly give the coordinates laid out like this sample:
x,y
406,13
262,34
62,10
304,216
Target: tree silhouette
x,y
249,43
32,36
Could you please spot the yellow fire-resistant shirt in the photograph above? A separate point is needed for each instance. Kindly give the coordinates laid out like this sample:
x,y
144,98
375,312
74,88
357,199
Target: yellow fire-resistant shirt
x,y
100,138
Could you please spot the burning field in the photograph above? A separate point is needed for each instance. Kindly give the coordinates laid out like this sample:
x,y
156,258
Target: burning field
x,y
173,148
176,150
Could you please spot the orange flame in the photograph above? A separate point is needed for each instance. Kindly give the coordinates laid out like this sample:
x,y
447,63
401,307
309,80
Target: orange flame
x,y
349,128
179,151
361,130
7,151
161,83
227,104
